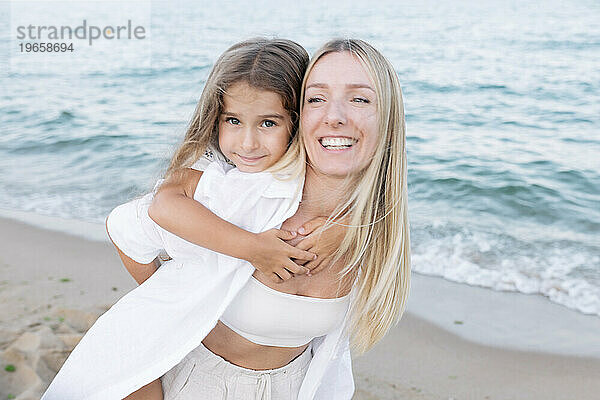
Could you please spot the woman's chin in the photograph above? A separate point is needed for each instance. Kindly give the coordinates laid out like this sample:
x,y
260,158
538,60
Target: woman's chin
x,y
335,170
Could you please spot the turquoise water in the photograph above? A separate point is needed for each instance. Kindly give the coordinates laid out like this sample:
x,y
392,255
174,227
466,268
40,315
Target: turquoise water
x,y
502,103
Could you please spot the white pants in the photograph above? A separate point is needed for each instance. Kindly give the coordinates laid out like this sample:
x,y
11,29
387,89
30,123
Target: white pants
x,y
203,375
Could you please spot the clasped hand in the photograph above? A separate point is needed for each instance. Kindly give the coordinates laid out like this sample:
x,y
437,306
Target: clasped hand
x,y
280,261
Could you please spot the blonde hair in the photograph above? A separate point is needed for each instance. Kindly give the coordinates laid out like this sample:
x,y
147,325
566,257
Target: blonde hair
x,y
377,238
276,65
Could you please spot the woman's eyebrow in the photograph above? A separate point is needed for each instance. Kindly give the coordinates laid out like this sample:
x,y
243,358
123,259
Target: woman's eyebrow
x,y
360,86
317,85
348,85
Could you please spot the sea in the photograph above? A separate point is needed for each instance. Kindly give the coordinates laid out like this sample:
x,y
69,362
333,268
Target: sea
x,y
502,102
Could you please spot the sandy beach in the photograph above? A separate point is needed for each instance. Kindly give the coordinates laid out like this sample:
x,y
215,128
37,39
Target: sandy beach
x,y
454,341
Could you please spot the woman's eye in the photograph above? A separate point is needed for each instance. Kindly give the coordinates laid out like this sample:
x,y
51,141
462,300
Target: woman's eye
x,y
232,121
361,100
314,100
268,124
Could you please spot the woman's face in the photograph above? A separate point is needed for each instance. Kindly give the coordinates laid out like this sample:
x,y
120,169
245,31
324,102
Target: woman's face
x,y
339,115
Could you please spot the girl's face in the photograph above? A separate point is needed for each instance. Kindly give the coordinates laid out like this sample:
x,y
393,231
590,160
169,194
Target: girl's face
x,y
339,115
254,127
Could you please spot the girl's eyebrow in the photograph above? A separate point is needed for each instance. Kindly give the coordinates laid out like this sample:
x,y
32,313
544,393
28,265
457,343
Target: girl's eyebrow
x,y
273,116
348,85
263,116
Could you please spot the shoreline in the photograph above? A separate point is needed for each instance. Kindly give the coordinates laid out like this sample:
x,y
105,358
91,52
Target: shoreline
x,y
466,319
454,340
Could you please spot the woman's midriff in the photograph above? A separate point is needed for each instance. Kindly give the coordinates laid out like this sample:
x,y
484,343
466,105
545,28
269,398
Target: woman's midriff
x,y
239,351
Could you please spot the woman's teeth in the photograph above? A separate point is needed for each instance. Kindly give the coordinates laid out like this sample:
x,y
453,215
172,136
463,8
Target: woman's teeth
x,y
337,143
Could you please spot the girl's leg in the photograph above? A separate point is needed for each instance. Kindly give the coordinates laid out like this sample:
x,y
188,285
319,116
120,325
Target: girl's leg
x,y
152,391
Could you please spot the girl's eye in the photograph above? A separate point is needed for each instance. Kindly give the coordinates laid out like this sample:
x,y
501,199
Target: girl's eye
x,y
268,123
232,120
361,100
314,100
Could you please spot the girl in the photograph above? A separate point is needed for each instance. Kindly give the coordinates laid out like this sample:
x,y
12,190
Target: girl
x,y
248,110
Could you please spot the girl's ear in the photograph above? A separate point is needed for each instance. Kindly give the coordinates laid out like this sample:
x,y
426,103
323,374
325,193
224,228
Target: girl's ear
x,y
291,126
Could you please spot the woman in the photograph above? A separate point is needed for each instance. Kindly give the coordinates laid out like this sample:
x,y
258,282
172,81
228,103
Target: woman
x,y
353,132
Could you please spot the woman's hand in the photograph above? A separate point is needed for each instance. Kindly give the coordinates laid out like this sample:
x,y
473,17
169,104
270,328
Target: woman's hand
x,y
323,243
273,257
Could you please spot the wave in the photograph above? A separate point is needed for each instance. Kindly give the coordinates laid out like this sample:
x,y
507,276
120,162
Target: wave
x,y
154,71
63,117
58,144
565,272
549,196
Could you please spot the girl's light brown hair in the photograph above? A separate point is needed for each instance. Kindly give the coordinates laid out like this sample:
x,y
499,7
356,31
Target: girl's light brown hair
x,y
276,65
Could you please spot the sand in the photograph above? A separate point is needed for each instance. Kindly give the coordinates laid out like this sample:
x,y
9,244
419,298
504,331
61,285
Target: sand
x,y
454,341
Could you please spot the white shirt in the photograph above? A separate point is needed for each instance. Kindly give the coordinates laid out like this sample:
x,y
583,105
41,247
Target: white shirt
x,y
153,327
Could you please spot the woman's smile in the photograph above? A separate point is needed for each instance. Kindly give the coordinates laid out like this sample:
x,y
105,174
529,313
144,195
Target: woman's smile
x,y
339,117
336,144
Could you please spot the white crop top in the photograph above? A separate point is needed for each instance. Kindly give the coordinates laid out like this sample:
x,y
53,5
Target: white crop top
x,y
269,317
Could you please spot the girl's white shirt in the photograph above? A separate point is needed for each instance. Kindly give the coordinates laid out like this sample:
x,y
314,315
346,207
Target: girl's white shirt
x,y
153,327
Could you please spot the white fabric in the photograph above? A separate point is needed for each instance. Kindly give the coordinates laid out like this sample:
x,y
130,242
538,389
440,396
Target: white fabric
x,y
153,327
291,320
263,389
203,375
137,235
211,154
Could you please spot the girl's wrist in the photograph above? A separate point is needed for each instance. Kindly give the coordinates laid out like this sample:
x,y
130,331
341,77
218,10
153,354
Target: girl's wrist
x,y
248,246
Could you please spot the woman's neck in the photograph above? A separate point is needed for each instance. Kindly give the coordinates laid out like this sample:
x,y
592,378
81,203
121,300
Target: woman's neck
x,y
321,194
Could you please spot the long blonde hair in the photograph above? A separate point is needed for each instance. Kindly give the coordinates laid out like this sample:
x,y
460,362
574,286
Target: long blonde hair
x,y
277,65
377,238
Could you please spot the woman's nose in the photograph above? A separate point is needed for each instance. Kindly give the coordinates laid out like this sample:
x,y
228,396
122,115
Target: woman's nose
x,y
335,115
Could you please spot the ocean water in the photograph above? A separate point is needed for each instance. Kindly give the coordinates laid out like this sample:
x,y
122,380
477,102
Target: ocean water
x,y
503,114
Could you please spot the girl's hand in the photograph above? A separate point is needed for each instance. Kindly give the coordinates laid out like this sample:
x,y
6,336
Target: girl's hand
x,y
273,257
322,242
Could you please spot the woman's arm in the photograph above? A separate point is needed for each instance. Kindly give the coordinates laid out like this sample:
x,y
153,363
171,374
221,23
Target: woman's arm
x,y
175,210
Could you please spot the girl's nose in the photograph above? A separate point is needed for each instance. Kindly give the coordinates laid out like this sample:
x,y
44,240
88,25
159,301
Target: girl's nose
x,y
335,115
250,141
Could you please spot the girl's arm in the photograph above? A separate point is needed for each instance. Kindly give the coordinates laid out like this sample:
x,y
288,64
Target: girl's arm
x,y
135,236
175,210
140,272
